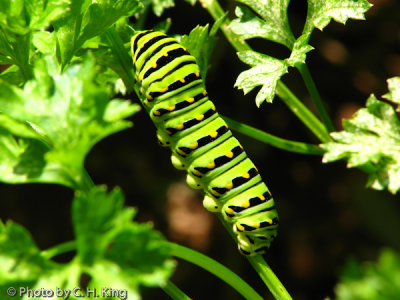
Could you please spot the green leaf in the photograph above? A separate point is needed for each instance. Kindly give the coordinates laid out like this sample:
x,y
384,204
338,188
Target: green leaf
x,y
44,41
372,135
20,259
371,280
148,260
299,51
160,5
86,20
273,24
191,2
266,71
13,75
320,12
43,12
67,115
394,90
200,44
97,218
110,243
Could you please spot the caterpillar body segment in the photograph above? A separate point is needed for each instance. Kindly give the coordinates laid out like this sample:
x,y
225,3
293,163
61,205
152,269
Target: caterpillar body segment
x,y
187,122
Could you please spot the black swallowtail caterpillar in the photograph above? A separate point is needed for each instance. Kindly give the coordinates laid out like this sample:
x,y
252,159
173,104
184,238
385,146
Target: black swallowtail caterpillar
x,y
174,95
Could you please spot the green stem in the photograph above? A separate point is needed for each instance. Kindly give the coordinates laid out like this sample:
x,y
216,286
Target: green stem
x,y
269,278
216,11
215,268
117,47
315,96
59,249
86,183
303,113
273,140
174,292
262,268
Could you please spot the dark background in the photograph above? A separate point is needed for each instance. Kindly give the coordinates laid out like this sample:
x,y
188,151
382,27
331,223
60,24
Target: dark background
x,y
326,213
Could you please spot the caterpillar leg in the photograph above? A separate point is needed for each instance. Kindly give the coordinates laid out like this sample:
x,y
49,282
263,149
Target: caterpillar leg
x,y
249,247
211,204
163,138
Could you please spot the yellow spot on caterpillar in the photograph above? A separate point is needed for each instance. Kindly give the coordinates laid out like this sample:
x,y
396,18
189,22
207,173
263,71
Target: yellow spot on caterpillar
x,y
229,185
214,134
269,221
240,227
246,204
164,90
166,54
154,65
205,93
256,225
199,117
182,80
194,145
190,100
171,108
180,127
156,113
184,49
214,193
229,154
261,197
211,165
197,74
213,108
196,172
229,211
241,146
149,97
246,175
180,152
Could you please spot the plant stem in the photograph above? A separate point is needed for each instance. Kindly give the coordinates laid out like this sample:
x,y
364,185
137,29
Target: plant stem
x,y
273,140
215,268
303,113
59,249
309,82
117,47
216,11
86,183
174,292
269,278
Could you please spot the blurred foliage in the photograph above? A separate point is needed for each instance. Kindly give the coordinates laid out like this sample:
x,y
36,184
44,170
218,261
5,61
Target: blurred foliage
x,y
104,230
371,280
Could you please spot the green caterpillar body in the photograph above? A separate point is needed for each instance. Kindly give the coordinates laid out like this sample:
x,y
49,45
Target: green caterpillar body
x,y
174,95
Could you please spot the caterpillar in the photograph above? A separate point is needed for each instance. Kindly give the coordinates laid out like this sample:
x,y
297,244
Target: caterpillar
x,y
173,93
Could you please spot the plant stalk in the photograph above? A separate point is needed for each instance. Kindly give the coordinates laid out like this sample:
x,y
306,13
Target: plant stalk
x,y
215,268
315,96
174,292
273,140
